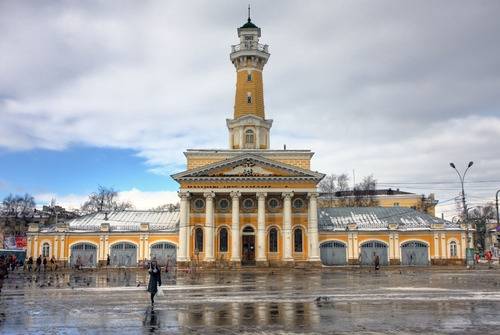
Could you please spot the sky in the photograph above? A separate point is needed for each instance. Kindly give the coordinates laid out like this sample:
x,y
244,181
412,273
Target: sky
x,y
112,92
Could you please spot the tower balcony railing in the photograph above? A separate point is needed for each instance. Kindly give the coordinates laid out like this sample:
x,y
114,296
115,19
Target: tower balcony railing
x,y
250,46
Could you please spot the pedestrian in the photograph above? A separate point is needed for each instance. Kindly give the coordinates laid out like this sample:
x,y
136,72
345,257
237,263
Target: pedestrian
x,y
376,261
488,255
38,263
53,265
108,261
477,257
154,280
44,264
78,263
3,270
30,263
13,262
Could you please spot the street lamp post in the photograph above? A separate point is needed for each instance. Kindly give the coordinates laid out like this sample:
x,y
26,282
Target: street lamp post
x,y
464,205
496,204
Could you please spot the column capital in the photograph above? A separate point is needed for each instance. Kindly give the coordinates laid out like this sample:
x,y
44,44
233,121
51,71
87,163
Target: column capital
x,y
183,195
209,195
235,194
287,195
313,195
261,195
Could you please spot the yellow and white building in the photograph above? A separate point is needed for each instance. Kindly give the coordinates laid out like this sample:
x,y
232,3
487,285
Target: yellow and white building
x,y
252,205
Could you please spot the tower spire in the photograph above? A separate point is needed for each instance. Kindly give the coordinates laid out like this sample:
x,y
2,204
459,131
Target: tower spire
x,y
249,20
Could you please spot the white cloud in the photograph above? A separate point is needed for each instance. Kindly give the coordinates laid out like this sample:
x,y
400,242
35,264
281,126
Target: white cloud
x,y
397,90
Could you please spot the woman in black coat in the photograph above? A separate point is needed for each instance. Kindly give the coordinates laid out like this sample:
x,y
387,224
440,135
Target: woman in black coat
x,y
154,280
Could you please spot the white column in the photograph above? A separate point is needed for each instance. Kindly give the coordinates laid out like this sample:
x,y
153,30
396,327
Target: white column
x,y
182,256
463,245
261,226
436,245
106,245
443,245
313,227
235,227
55,247
28,248
209,226
35,248
63,247
257,137
188,231
287,226
101,248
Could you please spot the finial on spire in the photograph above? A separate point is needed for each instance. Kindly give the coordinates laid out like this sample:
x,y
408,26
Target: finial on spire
x,y
249,13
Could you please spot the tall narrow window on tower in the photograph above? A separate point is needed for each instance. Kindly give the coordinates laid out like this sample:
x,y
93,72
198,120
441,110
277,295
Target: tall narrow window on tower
x,y
249,98
249,77
249,136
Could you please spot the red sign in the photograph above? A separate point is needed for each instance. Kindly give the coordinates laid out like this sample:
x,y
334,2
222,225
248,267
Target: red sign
x,y
21,242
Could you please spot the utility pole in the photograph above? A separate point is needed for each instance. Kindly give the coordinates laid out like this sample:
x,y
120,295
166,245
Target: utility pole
x,y
496,205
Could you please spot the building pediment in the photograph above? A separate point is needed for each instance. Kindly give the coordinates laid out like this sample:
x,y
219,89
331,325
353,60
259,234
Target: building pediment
x,y
248,166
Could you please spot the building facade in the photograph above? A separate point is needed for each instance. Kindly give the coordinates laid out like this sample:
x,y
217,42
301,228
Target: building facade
x,y
250,205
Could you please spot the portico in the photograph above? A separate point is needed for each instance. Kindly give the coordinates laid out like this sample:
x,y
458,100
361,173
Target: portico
x,y
238,226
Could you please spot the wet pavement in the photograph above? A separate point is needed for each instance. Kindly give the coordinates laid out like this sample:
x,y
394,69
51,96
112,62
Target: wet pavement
x,y
408,300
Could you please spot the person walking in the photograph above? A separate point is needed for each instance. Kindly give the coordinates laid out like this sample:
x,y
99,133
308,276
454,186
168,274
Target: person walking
x,y
154,280
44,264
53,265
376,261
3,270
30,263
488,255
108,261
38,263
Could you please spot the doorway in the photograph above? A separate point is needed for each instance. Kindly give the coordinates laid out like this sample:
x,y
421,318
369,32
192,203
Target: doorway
x,y
248,246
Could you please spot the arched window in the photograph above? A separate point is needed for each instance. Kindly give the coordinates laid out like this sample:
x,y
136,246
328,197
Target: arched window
x,y
453,249
223,240
249,136
273,240
45,250
249,77
297,234
198,240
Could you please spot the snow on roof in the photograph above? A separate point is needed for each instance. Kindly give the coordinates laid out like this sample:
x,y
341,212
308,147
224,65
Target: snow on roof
x,y
377,218
128,220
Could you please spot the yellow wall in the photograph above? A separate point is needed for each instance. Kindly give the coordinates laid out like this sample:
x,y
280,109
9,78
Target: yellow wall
x,y
389,201
255,88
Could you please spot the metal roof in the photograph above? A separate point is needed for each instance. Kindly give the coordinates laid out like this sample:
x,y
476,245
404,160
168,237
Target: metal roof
x,y
129,220
377,218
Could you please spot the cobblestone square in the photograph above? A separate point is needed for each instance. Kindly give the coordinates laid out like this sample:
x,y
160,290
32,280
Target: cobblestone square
x,y
395,300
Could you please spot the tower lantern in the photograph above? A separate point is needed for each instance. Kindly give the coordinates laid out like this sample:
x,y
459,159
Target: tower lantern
x,y
249,129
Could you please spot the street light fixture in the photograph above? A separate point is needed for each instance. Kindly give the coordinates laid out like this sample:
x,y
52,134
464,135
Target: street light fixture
x,y
464,205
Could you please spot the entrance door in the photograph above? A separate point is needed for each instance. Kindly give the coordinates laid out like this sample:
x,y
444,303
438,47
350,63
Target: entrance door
x,y
372,248
124,254
414,253
248,246
165,253
333,253
83,254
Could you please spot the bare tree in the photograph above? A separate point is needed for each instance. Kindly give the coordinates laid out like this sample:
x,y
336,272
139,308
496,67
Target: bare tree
x,y
480,216
328,187
105,200
167,207
365,193
19,204
343,187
